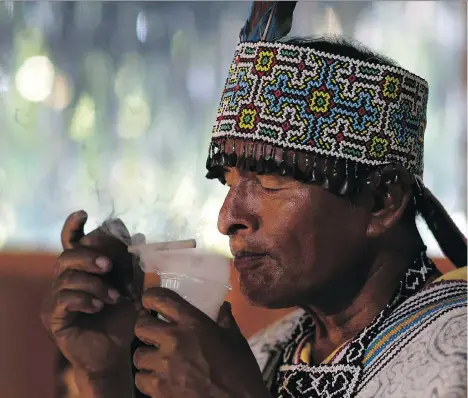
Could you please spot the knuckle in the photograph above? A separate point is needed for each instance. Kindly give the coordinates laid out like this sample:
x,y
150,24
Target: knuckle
x,y
147,302
87,240
141,321
139,356
64,298
66,255
173,340
60,298
147,383
61,260
155,382
164,365
68,277
139,381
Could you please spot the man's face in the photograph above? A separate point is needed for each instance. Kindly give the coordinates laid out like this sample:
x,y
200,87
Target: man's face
x,y
291,240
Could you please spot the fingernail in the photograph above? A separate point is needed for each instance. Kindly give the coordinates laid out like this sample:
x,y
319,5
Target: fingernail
x,y
81,214
113,294
97,303
102,263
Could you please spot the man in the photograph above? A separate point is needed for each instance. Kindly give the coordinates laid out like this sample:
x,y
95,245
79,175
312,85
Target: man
x,y
321,146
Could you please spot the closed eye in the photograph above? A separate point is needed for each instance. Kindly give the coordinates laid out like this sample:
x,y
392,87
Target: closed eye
x,y
271,189
268,183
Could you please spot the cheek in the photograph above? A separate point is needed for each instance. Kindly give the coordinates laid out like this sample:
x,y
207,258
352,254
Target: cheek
x,y
317,236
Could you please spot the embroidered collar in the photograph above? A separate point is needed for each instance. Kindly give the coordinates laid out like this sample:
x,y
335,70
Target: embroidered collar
x,y
340,376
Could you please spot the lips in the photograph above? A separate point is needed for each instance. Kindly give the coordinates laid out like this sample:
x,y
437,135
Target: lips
x,y
248,260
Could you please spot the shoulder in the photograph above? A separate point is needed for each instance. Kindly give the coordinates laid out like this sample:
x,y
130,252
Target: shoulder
x,y
459,274
271,339
421,350
446,294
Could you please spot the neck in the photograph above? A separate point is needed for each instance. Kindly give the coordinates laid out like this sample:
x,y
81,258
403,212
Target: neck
x,y
354,301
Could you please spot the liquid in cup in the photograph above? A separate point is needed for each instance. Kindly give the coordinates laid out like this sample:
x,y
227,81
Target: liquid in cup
x,y
201,277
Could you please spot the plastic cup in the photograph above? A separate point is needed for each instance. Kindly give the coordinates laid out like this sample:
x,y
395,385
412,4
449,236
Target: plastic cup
x,y
199,276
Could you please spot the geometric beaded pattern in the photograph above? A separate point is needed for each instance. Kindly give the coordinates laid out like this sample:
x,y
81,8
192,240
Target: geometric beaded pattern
x,y
412,319
319,381
339,378
301,99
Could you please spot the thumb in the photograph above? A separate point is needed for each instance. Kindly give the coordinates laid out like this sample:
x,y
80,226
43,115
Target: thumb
x,y
73,229
226,320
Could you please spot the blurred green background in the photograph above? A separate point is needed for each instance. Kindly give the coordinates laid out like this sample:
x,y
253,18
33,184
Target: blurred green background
x,y
108,107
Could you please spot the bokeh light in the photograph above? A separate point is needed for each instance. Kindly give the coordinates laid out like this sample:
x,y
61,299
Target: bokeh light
x,y
61,94
35,78
134,116
82,124
4,80
142,27
115,101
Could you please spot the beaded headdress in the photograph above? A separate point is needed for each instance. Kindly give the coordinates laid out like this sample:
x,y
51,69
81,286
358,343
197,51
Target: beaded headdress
x,y
345,118
297,98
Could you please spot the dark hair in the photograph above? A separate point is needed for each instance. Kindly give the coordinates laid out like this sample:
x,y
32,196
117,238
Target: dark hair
x,y
339,45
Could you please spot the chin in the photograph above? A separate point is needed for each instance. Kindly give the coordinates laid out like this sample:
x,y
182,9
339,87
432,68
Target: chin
x,y
265,295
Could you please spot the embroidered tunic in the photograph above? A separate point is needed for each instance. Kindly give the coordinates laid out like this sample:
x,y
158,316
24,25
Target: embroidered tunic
x,y
420,350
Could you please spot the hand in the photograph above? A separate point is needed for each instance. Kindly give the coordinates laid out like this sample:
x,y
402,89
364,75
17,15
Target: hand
x,y
191,355
92,308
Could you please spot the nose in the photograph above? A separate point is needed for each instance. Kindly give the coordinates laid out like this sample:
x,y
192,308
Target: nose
x,y
237,215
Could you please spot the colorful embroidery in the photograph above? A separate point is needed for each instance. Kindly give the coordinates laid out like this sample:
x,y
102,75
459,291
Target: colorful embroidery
x,y
425,355
339,378
389,335
298,98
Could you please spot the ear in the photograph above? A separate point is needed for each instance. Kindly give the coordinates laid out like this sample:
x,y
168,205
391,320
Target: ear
x,y
392,193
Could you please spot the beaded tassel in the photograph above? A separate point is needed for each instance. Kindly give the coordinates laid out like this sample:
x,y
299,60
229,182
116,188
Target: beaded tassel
x,y
270,163
284,169
223,159
251,161
260,166
345,183
241,164
295,172
326,179
232,158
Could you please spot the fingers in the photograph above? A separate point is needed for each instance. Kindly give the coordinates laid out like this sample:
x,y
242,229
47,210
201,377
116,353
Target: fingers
x,y
153,331
149,358
82,259
78,287
171,305
73,229
149,384
87,283
65,306
74,301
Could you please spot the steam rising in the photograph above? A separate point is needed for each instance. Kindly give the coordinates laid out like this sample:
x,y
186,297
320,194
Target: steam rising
x,y
155,202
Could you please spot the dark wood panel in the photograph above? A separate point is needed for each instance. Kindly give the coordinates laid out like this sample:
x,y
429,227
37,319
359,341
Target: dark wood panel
x,y
28,357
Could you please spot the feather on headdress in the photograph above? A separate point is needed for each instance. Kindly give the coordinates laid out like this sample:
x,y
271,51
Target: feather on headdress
x,y
268,21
